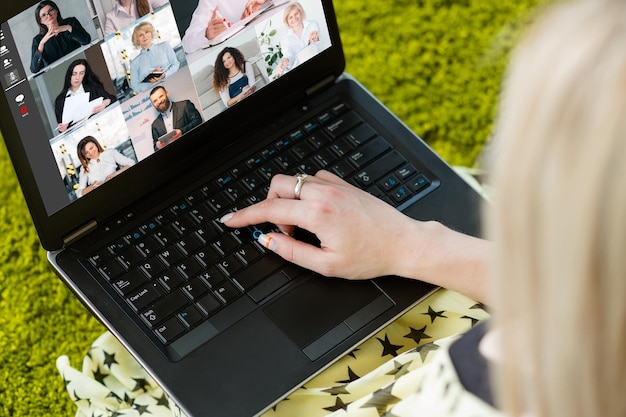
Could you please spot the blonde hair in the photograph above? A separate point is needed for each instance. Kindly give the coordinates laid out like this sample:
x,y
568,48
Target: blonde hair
x,y
146,26
559,274
292,6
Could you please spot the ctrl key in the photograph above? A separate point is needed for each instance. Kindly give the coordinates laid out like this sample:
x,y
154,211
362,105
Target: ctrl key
x,y
169,330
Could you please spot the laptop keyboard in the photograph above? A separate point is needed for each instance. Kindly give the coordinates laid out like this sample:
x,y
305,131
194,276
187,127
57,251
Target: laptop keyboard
x,y
182,267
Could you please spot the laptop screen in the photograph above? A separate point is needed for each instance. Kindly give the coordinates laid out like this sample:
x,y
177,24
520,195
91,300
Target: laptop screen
x,y
95,90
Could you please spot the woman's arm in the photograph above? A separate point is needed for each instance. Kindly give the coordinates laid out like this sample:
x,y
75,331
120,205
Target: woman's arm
x,y
78,32
172,60
37,63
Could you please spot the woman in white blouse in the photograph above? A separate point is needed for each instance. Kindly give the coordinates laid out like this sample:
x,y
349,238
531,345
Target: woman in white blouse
x,y
302,35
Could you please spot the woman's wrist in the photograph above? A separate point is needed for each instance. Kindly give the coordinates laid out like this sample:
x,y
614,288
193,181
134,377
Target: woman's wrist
x,y
436,254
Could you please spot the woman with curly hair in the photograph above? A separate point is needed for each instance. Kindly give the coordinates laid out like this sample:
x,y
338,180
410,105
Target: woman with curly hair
x,y
233,77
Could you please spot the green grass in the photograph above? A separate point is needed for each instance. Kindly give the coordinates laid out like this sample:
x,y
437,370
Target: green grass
x,y
436,63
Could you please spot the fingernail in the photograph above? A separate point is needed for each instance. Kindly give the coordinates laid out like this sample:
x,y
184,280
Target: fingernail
x,y
267,242
226,217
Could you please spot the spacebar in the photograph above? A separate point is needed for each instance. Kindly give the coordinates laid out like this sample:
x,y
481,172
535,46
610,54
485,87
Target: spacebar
x,y
258,271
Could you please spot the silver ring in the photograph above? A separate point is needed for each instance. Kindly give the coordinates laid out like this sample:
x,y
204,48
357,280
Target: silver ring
x,y
300,178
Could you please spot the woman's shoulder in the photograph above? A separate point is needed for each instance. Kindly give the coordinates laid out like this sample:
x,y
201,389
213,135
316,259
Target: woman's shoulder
x,y
71,20
61,97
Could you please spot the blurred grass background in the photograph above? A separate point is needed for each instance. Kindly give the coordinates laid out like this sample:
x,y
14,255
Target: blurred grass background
x,y
437,64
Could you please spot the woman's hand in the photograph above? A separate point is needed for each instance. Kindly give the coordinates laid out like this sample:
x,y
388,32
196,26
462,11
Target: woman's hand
x,y
363,237
251,7
360,236
217,24
105,103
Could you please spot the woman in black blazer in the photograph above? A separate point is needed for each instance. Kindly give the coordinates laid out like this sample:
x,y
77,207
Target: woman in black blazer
x,y
57,36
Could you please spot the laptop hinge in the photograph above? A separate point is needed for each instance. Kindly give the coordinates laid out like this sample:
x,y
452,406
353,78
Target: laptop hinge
x,y
320,85
80,232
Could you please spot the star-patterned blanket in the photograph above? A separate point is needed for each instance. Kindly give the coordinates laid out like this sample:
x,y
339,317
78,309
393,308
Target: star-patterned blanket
x,y
380,377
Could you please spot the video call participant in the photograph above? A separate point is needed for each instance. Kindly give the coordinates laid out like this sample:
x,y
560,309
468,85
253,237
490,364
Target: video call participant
x,y
98,165
212,17
79,78
233,76
177,117
155,60
301,34
126,12
57,36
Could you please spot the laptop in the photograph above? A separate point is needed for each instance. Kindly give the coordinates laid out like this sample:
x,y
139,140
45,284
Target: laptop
x,y
205,309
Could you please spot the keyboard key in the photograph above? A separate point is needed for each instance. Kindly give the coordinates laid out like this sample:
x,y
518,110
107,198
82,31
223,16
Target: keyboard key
x,y
111,269
225,180
209,304
401,194
218,202
268,286
296,135
169,256
226,244
213,276
343,124
189,267
195,288
190,316
369,151
388,182
227,291
126,283
405,172
258,271
144,296
323,158
318,140
361,134
340,148
378,168
206,233
311,126
164,308
248,253
171,280
234,192
100,257
231,264
170,330
179,208
166,235
252,181
307,167
419,183
302,150
148,247
342,169
188,244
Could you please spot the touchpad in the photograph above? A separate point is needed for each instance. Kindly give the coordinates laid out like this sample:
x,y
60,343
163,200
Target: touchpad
x,y
322,312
